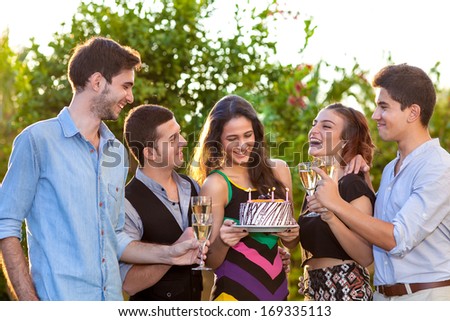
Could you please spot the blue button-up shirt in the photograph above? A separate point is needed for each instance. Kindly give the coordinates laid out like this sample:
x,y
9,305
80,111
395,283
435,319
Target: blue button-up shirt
x,y
417,202
72,199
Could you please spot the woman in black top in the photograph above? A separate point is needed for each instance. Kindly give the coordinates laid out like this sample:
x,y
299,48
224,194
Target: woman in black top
x,y
334,257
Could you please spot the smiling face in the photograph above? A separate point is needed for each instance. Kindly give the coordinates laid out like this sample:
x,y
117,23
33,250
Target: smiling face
x,y
169,146
108,104
392,122
238,140
325,134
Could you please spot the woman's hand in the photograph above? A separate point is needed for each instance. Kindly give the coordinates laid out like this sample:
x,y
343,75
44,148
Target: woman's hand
x,y
231,234
326,194
290,234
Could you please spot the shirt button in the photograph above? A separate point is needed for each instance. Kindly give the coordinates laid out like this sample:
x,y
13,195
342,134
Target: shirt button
x,y
103,260
100,204
91,150
102,233
169,294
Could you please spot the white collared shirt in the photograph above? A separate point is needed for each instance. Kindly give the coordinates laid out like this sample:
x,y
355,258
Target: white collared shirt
x,y
417,202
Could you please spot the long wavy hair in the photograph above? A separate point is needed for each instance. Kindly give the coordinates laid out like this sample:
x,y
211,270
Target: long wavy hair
x,y
355,134
210,153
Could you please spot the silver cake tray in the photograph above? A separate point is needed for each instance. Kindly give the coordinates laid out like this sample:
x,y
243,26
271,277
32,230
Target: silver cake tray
x,y
264,228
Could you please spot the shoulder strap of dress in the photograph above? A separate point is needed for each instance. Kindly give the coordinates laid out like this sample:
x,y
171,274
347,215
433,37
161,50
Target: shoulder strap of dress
x,y
230,191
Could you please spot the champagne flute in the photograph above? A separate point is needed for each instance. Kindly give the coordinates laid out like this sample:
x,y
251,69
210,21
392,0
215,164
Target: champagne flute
x,y
327,164
202,220
308,177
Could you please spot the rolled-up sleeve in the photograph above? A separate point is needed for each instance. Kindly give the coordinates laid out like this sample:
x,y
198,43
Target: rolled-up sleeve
x,y
425,209
19,185
134,230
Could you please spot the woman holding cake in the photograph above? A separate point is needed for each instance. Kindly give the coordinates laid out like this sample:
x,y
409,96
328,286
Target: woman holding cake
x,y
334,257
232,166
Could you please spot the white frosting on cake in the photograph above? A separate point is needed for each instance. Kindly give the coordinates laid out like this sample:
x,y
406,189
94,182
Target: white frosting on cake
x,y
266,213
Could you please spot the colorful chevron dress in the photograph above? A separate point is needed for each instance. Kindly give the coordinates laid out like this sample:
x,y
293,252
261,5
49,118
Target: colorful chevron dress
x,y
252,269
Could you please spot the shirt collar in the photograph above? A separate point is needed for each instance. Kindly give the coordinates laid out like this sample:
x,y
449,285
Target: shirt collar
x,y
68,126
70,129
419,150
153,185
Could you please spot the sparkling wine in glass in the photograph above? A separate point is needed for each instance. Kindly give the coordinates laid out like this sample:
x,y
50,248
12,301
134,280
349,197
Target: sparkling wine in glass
x,y
308,177
202,220
327,164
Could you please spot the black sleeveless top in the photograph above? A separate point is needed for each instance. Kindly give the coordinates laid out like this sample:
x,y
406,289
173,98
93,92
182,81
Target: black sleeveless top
x,y
316,238
179,283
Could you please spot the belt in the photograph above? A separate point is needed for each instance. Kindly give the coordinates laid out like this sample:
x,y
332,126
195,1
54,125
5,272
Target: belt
x,y
408,288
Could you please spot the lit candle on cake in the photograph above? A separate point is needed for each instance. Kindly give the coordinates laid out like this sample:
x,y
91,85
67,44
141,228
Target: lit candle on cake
x,y
273,194
287,194
249,190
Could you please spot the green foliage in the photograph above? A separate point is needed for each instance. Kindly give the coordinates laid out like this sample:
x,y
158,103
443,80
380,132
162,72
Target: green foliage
x,y
12,69
439,123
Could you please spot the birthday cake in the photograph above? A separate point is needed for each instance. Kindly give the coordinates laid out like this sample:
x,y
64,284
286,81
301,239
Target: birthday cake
x,y
266,212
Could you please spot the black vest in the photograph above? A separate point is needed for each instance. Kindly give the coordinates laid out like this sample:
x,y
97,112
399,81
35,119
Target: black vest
x,y
179,283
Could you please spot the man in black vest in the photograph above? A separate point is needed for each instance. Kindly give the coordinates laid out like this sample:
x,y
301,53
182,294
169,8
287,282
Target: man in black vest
x,y
157,204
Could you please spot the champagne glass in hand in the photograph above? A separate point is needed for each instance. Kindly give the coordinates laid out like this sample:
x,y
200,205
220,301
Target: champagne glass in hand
x,y
308,177
202,220
327,163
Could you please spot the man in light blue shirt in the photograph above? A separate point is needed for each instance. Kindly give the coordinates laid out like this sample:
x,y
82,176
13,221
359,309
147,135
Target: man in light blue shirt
x,y
66,179
410,229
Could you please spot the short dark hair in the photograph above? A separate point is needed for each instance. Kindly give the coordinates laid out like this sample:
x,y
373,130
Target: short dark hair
x,y
140,128
408,85
101,55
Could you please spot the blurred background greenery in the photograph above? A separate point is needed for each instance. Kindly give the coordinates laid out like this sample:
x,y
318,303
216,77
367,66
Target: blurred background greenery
x,y
188,70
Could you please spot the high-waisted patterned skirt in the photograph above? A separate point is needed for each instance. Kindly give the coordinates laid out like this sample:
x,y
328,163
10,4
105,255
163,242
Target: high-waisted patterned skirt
x,y
344,282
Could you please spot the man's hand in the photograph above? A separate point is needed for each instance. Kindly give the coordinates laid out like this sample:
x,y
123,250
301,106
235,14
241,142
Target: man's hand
x,y
185,251
356,165
188,234
285,258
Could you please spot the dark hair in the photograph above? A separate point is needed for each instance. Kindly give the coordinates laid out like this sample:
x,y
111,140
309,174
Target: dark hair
x,y
210,153
140,128
355,134
408,85
101,55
